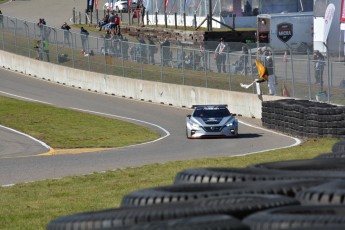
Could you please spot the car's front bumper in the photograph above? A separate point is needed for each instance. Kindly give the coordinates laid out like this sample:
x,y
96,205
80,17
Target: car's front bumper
x,y
212,132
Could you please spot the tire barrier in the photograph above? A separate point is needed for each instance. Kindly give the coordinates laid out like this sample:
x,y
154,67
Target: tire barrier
x,y
339,146
331,155
290,195
210,222
237,206
303,118
223,175
192,192
331,193
250,174
302,217
316,164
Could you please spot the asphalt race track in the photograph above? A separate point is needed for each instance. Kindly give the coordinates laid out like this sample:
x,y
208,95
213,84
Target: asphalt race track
x,y
169,121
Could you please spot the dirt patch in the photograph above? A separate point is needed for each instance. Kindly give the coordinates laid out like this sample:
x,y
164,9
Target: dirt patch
x,y
72,151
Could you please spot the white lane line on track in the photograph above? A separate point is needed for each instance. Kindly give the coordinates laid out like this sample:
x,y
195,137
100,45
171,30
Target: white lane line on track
x,y
28,136
25,98
167,133
297,141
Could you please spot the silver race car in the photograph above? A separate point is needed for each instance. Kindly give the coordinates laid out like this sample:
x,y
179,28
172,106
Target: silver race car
x,y
211,121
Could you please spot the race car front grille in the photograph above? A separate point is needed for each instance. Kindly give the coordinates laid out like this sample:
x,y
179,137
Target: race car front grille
x,y
213,128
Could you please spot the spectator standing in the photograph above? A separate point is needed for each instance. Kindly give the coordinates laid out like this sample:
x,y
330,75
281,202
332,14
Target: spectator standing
x,y
46,49
117,24
39,49
84,35
204,58
112,21
220,56
244,59
247,9
266,73
165,46
66,29
271,77
319,67
125,48
115,42
152,51
107,43
143,50
143,11
41,24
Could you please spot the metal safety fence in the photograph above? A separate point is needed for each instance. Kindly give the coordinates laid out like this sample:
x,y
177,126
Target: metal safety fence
x,y
297,72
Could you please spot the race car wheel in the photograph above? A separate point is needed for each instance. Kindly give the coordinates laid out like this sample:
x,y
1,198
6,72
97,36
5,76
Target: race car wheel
x,y
298,217
191,192
331,193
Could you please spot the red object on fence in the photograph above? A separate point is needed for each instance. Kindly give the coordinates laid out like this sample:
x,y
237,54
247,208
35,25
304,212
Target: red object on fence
x,y
136,13
129,4
342,13
166,5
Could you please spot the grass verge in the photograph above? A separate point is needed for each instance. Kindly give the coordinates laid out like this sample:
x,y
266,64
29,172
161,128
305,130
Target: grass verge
x,y
63,128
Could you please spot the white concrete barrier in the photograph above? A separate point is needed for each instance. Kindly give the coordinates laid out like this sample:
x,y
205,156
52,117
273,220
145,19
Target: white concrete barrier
x,y
244,104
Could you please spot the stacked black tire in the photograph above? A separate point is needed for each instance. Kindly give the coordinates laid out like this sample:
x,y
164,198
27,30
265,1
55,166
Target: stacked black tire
x,y
303,118
295,195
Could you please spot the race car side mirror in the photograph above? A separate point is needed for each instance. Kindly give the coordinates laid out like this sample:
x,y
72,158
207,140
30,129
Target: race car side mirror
x,y
189,116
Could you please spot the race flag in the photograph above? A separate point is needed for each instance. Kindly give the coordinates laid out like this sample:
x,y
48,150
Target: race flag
x,y
262,71
328,20
166,5
96,4
247,86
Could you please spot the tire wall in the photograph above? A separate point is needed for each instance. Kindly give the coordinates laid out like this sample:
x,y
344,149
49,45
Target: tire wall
x,y
303,118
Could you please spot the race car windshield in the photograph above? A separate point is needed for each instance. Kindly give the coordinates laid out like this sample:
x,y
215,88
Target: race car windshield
x,y
211,113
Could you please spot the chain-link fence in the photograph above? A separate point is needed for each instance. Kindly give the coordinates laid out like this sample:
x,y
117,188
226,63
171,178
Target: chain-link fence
x,y
297,73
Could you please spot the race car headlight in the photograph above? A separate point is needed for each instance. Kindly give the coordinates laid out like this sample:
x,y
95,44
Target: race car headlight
x,y
195,126
230,124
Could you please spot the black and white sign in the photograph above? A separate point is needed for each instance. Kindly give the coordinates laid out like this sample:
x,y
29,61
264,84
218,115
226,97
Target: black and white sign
x,y
285,31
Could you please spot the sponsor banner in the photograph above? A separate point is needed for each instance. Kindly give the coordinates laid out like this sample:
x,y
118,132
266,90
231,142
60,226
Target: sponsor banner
x,y
90,5
96,4
166,5
328,20
129,2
